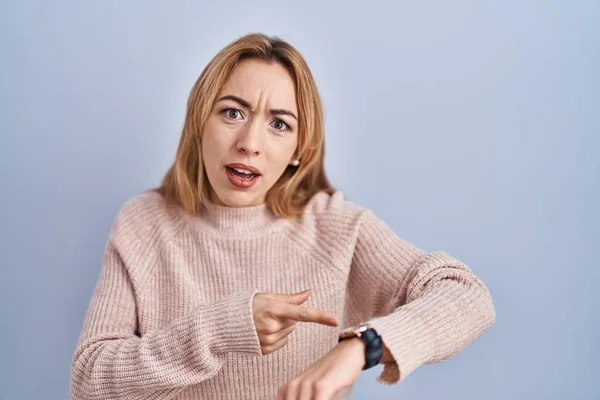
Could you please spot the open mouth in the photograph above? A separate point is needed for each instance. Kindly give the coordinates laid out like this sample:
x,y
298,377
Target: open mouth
x,y
242,173
241,178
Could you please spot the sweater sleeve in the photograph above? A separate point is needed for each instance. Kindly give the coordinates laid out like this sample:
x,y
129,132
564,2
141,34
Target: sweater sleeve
x,y
427,307
112,361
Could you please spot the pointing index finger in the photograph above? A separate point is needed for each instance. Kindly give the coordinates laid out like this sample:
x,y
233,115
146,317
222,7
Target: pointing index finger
x,y
305,314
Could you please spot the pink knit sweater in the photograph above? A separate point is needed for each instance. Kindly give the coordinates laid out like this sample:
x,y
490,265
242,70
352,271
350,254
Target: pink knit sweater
x,y
171,315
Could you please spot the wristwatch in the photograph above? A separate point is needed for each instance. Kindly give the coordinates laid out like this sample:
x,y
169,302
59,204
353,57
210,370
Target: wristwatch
x,y
372,340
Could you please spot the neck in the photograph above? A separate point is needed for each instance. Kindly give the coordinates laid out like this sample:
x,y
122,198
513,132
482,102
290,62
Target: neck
x,y
221,219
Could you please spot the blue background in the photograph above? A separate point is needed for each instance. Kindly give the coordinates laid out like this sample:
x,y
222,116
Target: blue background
x,y
468,126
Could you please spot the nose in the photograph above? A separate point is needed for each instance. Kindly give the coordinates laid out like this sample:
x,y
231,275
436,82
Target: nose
x,y
250,139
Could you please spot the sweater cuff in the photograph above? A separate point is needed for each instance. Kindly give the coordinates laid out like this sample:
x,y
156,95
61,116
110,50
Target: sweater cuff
x,y
410,342
228,325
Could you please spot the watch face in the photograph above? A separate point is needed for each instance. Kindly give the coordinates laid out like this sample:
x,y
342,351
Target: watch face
x,y
357,330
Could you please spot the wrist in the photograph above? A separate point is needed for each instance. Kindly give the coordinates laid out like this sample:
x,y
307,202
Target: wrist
x,y
356,347
372,344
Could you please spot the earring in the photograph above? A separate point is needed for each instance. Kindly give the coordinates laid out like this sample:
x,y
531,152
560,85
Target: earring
x,y
295,163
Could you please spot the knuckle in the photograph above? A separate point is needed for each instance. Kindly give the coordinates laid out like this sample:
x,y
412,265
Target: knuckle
x,y
273,345
268,349
262,326
270,339
320,386
303,316
264,340
293,384
271,327
307,386
268,311
271,311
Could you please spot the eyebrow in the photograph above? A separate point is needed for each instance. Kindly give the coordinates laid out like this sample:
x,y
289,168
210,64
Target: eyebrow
x,y
244,103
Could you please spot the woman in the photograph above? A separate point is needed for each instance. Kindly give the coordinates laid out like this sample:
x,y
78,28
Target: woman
x,y
201,290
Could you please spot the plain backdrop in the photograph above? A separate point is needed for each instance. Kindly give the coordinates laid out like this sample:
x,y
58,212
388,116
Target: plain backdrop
x,y
468,126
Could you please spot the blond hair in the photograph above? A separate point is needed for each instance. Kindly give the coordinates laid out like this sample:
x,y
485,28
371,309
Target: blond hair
x,y
186,183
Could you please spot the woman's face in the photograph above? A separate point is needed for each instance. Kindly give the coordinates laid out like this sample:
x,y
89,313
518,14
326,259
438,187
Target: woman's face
x,y
251,134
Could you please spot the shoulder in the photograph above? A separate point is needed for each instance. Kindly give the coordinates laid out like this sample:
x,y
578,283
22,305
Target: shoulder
x,y
331,227
334,219
334,206
338,216
146,216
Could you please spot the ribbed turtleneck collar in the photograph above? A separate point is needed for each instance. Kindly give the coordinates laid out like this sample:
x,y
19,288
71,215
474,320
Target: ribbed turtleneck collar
x,y
219,219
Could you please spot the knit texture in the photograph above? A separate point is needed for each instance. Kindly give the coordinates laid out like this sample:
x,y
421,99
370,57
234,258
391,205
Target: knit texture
x,y
171,314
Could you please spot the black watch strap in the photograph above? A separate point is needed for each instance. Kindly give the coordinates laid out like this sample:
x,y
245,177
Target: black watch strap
x,y
373,347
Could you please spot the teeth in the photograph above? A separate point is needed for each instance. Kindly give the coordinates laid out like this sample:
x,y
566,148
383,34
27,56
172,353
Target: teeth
x,y
243,171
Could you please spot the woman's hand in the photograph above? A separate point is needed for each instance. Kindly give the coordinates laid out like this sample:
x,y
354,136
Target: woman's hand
x,y
333,372
275,316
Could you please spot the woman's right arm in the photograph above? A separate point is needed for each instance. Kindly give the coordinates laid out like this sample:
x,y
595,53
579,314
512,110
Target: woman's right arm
x,y
112,362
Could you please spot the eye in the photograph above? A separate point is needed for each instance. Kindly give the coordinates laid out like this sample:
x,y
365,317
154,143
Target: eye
x,y
280,125
232,113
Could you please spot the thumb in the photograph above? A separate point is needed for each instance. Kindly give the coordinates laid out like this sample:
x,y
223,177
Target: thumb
x,y
298,298
294,298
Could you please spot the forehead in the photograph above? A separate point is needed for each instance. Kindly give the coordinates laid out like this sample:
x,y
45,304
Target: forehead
x,y
262,83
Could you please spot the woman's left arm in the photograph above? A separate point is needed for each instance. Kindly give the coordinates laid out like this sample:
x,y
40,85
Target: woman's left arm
x,y
426,307
429,306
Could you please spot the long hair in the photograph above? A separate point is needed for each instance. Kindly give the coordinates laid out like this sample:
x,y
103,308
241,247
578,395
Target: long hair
x,y
186,183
